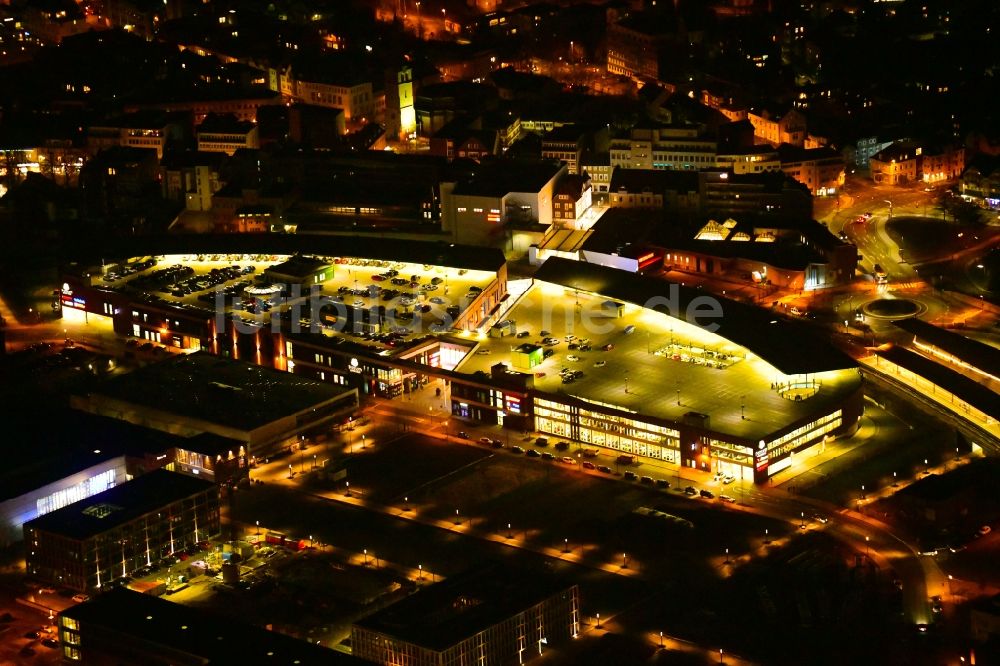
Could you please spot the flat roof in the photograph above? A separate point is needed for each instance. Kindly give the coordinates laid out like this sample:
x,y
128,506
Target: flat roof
x,y
435,253
643,371
120,505
977,354
558,239
792,348
71,441
214,638
444,614
202,386
954,382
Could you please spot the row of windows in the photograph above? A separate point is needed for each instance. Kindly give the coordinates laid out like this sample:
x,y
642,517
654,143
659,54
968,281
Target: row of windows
x,y
799,436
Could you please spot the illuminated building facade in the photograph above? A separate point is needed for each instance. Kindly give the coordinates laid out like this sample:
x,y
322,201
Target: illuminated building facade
x,y
496,615
86,545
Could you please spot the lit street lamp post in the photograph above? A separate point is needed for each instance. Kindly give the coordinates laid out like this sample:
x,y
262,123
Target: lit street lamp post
x,y
624,560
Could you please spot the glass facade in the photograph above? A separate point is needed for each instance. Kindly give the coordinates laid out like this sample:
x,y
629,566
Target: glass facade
x,y
791,441
90,563
613,431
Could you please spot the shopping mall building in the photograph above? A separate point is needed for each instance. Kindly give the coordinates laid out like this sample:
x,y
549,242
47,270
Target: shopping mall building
x,y
632,364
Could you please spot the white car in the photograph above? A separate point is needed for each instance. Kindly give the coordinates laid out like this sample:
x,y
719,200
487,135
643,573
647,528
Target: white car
x,y
727,479
359,303
568,460
572,357
600,364
570,338
437,300
80,598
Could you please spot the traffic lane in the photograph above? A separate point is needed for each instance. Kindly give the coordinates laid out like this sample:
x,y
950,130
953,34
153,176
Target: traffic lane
x,y
882,544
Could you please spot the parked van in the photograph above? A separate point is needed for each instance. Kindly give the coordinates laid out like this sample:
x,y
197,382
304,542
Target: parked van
x,y
630,329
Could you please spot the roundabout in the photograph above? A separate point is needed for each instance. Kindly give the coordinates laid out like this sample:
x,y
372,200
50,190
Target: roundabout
x,y
893,308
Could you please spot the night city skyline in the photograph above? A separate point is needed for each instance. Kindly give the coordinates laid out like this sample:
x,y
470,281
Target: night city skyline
x,y
426,332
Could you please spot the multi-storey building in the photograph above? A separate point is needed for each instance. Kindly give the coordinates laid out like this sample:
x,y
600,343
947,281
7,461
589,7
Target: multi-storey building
x,y
142,129
226,134
909,161
133,629
491,616
330,86
597,165
663,147
819,169
775,129
635,46
573,197
88,544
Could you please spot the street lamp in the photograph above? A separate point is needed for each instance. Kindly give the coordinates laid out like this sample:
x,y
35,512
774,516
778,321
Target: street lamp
x,y
598,620
624,560
802,520
565,545
509,533
727,556
366,557
661,640
420,570
457,520
867,548
406,504
290,472
258,528
363,442
348,485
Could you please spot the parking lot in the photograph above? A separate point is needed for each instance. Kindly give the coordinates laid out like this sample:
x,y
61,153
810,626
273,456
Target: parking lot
x,y
421,298
649,363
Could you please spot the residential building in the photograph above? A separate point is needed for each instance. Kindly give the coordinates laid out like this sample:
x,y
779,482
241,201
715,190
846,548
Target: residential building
x,y
775,129
565,144
572,198
635,46
819,169
981,181
495,615
191,178
909,161
460,139
88,544
226,134
597,166
868,146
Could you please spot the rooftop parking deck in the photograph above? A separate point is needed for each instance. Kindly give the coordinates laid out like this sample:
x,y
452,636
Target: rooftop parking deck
x,y
420,298
663,358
